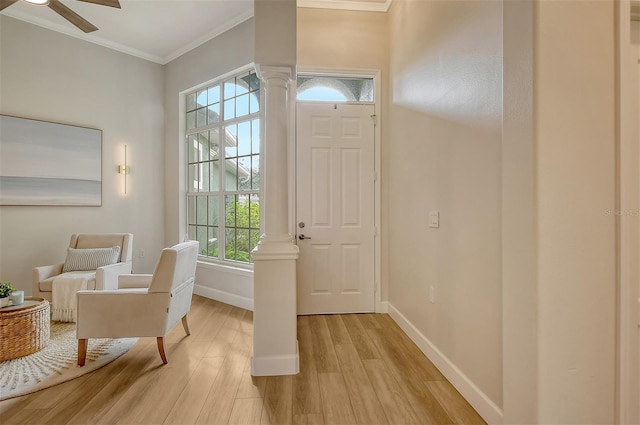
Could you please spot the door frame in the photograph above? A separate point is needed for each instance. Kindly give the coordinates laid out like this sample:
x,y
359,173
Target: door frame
x,y
379,305
627,221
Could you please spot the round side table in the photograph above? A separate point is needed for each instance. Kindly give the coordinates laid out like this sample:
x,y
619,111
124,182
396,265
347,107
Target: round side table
x,y
24,328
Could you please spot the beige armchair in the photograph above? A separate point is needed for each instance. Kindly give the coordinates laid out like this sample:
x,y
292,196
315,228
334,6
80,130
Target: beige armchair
x,y
106,277
144,305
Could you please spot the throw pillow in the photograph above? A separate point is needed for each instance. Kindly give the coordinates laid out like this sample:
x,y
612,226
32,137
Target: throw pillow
x,y
90,259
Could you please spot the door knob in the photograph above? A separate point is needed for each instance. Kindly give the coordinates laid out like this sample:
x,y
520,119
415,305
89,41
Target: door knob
x,y
303,237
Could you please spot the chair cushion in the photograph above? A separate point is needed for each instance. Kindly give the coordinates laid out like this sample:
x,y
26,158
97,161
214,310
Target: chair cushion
x,y
47,284
90,259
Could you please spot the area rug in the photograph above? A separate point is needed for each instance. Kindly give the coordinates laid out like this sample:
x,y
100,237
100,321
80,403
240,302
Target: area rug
x,y
57,362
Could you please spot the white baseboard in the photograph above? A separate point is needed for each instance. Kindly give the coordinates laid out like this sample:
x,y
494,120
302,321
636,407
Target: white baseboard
x,y
489,411
224,297
275,365
382,307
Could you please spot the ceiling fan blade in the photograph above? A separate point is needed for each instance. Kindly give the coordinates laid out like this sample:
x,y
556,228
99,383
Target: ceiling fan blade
x,y
6,3
71,16
110,3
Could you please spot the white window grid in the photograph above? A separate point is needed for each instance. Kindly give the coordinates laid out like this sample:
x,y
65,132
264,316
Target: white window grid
x,y
221,157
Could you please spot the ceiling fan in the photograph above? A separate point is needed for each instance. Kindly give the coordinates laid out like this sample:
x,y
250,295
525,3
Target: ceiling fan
x,y
65,12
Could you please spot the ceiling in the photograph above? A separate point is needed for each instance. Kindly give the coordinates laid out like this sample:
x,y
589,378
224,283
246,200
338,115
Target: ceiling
x,y
161,30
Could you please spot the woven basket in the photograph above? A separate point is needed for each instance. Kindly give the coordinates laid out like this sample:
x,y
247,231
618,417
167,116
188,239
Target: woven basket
x,y
24,331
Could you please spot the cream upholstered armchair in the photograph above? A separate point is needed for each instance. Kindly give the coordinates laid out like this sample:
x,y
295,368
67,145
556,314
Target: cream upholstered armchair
x,y
144,305
106,277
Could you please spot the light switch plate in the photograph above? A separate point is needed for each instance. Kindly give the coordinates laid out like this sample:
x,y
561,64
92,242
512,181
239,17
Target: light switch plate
x,y
434,219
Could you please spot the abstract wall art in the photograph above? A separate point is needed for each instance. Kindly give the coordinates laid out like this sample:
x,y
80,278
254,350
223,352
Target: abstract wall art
x,y
44,163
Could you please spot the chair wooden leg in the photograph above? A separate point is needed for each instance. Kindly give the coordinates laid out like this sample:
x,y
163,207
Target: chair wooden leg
x,y
161,349
82,351
185,325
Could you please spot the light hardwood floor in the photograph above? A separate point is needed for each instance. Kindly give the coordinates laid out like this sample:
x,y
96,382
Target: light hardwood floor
x,y
355,369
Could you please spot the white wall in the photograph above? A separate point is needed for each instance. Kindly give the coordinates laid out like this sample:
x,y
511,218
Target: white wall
x,y
575,119
49,76
221,55
456,158
275,21
519,290
445,155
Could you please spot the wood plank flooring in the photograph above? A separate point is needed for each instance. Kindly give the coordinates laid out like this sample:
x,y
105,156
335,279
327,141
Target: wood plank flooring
x,y
354,369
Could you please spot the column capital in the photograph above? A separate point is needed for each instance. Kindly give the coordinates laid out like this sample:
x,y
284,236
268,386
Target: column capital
x,y
268,73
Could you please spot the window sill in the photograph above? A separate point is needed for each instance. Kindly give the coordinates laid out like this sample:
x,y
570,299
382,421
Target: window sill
x,y
227,268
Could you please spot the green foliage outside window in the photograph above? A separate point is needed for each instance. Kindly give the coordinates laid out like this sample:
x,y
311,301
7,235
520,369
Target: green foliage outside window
x,y
239,241
223,160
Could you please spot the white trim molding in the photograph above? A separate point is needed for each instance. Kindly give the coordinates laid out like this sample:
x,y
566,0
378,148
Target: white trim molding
x,y
489,411
275,365
224,297
382,307
95,39
626,216
208,36
366,6
73,32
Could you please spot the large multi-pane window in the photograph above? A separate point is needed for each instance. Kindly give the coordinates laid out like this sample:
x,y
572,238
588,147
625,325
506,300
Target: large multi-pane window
x,y
223,143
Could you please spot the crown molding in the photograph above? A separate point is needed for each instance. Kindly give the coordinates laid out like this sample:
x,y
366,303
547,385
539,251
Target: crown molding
x,y
208,36
366,6
73,32
369,6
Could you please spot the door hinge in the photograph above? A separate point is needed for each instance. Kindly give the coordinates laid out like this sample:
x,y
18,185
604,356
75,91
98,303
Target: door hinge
x,y
374,117
375,231
375,176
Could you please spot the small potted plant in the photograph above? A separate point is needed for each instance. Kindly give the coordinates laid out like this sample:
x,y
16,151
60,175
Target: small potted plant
x,y
5,291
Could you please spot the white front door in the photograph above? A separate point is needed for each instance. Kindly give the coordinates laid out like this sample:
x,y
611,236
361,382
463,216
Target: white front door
x,y
335,208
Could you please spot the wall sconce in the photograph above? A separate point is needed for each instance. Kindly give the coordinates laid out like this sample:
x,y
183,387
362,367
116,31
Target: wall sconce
x,y
124,169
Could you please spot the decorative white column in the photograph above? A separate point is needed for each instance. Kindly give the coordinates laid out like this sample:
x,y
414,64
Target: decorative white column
x,y
275,344
274,148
